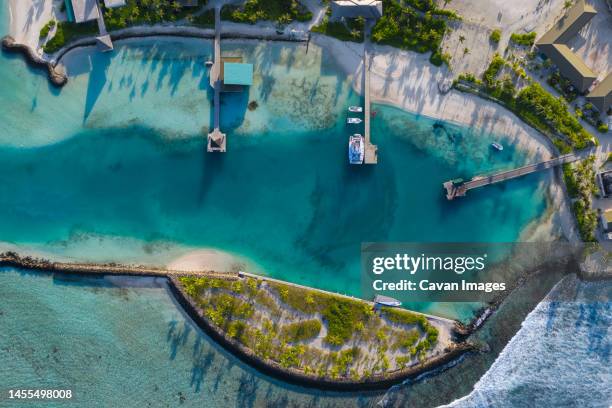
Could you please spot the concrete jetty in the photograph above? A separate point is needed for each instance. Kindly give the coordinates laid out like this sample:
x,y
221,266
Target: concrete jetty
x,y
217,141
371,150
103,40
459,188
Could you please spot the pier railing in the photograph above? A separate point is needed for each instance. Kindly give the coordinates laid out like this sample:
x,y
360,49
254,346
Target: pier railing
x,y
459,188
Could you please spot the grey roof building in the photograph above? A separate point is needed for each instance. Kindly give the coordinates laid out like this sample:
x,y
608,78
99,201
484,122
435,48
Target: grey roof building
x,y
357,8
114,3
601,95
553,45
81,11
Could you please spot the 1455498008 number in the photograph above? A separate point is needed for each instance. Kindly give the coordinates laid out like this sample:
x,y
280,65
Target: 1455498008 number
x,y
39,394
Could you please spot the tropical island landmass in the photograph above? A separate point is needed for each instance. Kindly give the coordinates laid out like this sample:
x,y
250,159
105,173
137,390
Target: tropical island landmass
x,y
513,76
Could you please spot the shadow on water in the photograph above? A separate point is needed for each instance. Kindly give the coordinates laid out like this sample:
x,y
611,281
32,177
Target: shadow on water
x,y
233,110
97,82
212,166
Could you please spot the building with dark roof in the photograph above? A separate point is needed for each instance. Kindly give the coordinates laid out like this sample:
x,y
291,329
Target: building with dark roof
x,y
357,8
601,94
553,45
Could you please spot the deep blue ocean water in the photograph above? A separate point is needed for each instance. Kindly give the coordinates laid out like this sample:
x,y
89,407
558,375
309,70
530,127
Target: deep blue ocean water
x,y
561,356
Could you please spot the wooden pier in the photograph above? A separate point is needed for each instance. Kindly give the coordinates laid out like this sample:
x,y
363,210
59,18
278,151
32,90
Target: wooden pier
x,y
371,150
217,141
459,188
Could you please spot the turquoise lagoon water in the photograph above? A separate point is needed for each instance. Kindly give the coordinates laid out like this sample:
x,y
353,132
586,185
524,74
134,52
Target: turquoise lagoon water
x,y
114,164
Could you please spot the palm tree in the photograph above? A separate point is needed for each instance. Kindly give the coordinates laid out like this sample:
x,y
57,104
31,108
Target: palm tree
x,y
461,39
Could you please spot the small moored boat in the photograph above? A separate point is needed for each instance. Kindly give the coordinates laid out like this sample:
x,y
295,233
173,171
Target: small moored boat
x,y
497,146
353,121
356,149
386,301
355,109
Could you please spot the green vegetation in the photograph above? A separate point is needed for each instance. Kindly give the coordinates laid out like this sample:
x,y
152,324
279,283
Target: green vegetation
x,y
204,20
352,30
523,39
469,77
495,36
342,361
544,111
490,74
223,308
276,321
571,183
563,86
406,317
300,331
342,315
67,32
412,25
534,105
281,11
137,12
580,181
602,127
44,32
407,339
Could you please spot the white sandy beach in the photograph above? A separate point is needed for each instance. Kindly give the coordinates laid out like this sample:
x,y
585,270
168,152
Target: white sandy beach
x,y
93,248
27,18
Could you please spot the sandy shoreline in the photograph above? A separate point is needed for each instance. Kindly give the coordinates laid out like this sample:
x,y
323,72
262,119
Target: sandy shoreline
x,y
409,81
27,19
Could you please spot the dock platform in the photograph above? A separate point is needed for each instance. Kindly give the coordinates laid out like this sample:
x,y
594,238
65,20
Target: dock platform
x,y
217,141
371,150
459,188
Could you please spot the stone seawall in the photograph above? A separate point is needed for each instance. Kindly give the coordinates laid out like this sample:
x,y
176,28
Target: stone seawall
x,y
57,77
269,367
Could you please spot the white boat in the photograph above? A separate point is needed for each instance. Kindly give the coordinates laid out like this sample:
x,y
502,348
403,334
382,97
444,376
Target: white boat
x,y
497,146
353,121
355,109
356,149
387,301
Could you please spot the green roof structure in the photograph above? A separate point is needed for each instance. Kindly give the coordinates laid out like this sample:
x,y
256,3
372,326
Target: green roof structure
x,y
237,74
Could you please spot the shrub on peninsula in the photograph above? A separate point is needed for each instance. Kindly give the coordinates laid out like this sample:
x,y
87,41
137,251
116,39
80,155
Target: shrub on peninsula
x,y
524,39
277,322
301,331
495,36
44,32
